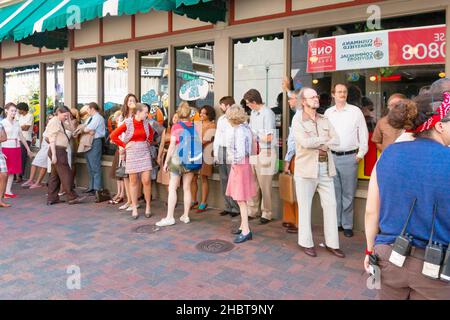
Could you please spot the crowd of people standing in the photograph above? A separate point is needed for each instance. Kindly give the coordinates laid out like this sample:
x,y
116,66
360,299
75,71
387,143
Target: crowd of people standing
x,y
323,154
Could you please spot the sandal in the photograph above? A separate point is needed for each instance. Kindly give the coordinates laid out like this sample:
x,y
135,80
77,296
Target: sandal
x,y
115,201
125,206
194,204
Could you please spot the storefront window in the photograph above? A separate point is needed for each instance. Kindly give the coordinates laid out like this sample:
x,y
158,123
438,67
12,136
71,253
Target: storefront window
x,y
263,72
115,70
405,56
55,86
195,75
86,81
155,80
22,85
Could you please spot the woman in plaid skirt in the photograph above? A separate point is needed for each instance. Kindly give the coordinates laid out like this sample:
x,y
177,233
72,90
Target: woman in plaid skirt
x,y
136,147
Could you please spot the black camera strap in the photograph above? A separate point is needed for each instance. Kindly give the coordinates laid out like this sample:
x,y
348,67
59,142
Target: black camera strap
x,y
409,217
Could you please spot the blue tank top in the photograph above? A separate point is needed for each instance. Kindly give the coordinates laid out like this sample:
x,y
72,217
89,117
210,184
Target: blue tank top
x,y
408,170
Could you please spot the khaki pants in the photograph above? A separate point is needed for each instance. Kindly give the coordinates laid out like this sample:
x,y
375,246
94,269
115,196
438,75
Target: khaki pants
x,y
407,282
305,189
263,166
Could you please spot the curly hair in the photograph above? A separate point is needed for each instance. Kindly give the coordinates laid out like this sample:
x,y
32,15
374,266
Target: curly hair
x,y
403,114
210,112
236,115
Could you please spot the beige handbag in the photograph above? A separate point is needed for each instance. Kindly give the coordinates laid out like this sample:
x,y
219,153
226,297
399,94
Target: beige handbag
x,y
286,187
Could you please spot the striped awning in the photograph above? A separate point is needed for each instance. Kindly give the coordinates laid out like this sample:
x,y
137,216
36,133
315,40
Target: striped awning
x,y
45,22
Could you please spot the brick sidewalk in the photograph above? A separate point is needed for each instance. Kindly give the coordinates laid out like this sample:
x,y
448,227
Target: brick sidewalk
x,y
39,242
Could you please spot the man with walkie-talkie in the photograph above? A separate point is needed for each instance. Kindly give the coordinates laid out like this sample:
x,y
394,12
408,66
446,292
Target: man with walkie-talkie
x,y
408,211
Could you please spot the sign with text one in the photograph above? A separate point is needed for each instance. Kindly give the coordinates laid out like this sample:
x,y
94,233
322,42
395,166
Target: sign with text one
x,y
410,46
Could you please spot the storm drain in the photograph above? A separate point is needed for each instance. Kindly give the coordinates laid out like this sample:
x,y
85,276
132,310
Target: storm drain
x,y
214,246
147,228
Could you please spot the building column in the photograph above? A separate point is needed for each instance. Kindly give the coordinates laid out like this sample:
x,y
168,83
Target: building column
x,y
100,81
70,83
134,73
287,72
447,30
42,98
2,87
172,84
223,67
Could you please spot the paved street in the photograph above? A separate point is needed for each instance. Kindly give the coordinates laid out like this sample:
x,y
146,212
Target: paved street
x,y
39,242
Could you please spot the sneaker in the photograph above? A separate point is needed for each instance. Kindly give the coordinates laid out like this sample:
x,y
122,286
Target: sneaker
x,y
165,222
130,208
185,219
202,207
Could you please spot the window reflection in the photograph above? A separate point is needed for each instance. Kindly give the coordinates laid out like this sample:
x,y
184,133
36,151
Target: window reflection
x,y
86,81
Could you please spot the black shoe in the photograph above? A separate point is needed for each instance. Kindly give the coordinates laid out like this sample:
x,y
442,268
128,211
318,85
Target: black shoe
x,y
264,221
236,231
91,191
340,229
348,233
242,238
224,213
234,214
50,203
251,218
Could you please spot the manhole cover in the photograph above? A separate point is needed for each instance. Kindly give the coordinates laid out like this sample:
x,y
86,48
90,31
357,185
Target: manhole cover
x,y
214,246
147,228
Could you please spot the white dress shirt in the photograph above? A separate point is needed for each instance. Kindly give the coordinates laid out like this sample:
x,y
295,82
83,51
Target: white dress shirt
x,y
262,123
220,137
351,128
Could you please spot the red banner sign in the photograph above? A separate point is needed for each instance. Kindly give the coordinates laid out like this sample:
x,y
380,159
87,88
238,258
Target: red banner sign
x,y
417,46
321,55
410,46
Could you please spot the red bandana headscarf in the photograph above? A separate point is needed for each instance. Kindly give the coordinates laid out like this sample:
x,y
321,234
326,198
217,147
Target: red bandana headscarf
x,y
440,114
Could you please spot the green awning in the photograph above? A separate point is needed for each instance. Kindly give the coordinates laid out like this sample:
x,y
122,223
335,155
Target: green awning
x,y
46,24
11,16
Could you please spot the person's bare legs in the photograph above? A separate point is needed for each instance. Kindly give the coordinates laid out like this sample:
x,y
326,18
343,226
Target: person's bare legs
x,y
42,173
187,180
172,198
3,180
205,189
244,217
126,182
147,188
194,188
134,189
120,189
29,182
9,184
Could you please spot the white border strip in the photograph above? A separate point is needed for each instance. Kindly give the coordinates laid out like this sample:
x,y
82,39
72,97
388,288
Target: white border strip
x,y
38,24
111,7
19,10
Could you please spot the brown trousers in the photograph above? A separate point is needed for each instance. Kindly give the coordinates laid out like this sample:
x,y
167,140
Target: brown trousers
x,y
290,210
61,174
408,283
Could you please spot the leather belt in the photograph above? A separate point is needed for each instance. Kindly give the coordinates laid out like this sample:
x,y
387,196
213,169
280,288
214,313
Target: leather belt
x,y
344,153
